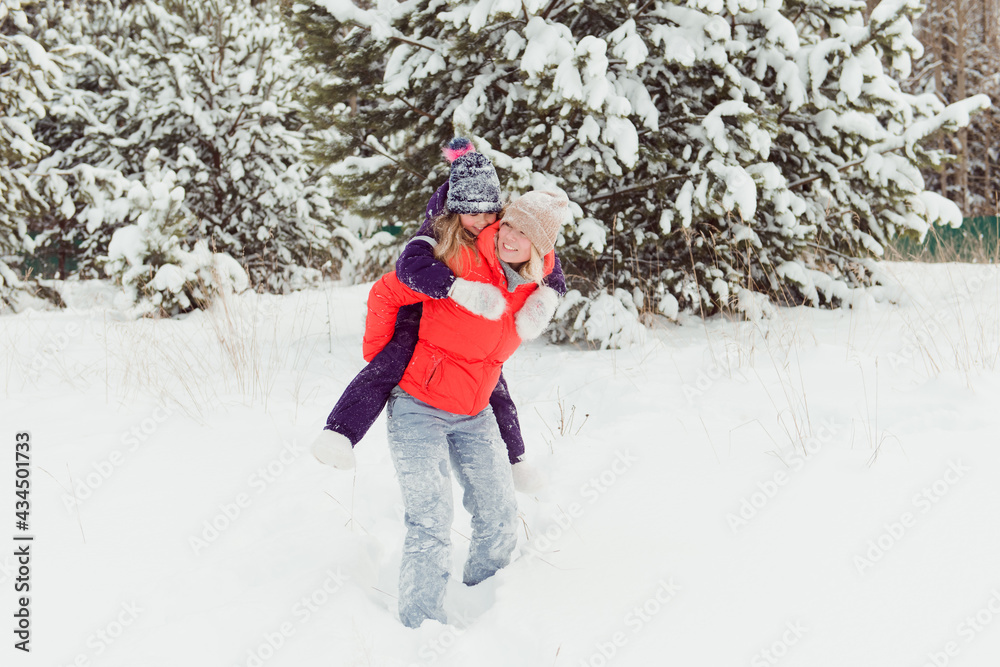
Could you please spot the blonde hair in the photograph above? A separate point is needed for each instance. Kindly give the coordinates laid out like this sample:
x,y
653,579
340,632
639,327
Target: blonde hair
x,y
454,242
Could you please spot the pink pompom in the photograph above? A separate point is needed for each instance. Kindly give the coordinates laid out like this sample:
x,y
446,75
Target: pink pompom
x,y
456,148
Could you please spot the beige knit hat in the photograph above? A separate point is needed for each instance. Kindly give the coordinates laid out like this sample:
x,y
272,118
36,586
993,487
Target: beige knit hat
x,y
539,215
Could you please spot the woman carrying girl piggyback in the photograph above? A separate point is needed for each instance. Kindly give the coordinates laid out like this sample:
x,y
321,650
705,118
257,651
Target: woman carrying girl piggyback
x,y
462,207
439,416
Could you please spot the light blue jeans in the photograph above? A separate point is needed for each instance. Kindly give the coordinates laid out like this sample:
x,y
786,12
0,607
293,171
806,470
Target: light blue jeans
x,y
422,441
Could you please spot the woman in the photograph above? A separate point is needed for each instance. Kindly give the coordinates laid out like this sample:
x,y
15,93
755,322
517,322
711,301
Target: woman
x,y
439,416
468,202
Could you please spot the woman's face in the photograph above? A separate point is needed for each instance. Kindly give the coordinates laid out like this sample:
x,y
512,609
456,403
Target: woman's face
x,y
513,246
477,222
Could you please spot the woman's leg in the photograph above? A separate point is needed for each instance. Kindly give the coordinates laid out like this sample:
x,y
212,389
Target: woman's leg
x,y
419,448
363,399
479,458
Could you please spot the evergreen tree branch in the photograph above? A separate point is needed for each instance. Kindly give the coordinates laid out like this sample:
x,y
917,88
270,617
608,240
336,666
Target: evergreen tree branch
x,y
845,167
547,12
413,42
398,163
643,8
834,252
641,186
398,38
419,111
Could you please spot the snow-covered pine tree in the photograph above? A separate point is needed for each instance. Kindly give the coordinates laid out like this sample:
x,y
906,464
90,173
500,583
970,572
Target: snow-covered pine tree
x,y
160,272
717,152
382,144
27,72
74,230
208,84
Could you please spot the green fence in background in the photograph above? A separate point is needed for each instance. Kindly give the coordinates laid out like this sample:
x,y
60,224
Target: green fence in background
x,y
47,265
977,240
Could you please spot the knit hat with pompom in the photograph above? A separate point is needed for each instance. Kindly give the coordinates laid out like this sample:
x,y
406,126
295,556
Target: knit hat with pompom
x,y
473,186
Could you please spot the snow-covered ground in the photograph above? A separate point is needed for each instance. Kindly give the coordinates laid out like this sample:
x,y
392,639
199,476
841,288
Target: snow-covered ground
x,y
819,488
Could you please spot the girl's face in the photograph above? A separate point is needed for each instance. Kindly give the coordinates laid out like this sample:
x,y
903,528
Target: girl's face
x,y
477,222
513,246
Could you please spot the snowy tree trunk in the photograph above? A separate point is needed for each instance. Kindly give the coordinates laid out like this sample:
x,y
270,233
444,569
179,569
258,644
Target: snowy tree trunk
x,y
990,21
961,64
963,56
939,87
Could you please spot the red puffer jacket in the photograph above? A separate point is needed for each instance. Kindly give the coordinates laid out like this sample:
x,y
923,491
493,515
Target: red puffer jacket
x,y
457,361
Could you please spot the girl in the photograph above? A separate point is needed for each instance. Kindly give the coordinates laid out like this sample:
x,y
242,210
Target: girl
x,y
440,412
465,204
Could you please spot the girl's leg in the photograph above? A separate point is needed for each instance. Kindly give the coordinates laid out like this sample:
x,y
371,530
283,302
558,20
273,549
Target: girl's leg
x,y
365,396
506,415
479,458
419,448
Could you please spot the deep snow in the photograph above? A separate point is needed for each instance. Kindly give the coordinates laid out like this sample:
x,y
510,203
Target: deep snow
x,y
818,488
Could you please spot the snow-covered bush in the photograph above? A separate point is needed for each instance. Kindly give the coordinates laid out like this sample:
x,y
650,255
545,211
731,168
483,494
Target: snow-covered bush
x,y
160,272
27,72
210,85
70,231
709,148
607,320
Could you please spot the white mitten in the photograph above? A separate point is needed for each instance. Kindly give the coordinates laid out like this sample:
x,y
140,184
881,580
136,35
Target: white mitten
x,y
481,299
536,312
333,449
527,478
